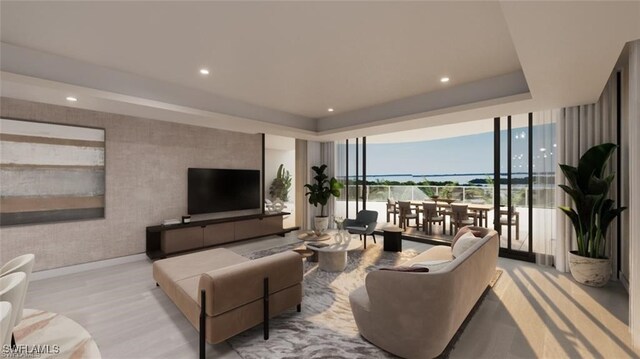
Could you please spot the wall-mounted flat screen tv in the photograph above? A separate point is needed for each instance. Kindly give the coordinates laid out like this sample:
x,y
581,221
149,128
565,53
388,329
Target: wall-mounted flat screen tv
x,y
222,190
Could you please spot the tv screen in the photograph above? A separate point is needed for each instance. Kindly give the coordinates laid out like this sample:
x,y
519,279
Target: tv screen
x,y
222,190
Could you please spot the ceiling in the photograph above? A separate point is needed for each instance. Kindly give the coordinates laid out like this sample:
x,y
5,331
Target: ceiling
x,y
301,58
281,65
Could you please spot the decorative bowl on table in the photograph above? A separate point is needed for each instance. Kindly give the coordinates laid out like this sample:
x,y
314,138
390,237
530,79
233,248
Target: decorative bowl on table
x,y
434,197
448,200
304,252
311,236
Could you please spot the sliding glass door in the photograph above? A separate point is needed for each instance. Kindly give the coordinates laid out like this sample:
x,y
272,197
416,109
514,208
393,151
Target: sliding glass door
x,y
351,171
513,204
503,170
525,168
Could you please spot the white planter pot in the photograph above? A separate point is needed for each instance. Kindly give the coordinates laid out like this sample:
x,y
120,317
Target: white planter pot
x,y
321,224
594,272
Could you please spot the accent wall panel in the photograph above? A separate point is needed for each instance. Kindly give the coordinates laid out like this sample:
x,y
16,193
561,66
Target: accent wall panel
x,y
50,172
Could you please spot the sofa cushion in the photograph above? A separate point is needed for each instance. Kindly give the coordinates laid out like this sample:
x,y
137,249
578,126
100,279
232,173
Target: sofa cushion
x,y
185,297
167,272
432,265
237,320
463,243
463,230
433,253
357,229
236,285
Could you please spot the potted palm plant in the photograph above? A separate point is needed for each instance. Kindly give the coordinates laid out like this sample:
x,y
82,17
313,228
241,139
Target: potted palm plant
x,y
591,215
320,192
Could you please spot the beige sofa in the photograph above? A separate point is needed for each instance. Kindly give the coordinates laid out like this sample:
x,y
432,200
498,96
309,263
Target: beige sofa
x,y
415,315
239,293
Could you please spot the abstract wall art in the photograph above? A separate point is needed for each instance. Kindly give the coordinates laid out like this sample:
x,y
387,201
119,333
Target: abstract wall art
x,y
50,172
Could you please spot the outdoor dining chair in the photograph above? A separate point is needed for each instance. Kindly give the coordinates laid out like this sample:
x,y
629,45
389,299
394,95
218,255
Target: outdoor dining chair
x,y
406,214
392,208
461,217
513,219
430,216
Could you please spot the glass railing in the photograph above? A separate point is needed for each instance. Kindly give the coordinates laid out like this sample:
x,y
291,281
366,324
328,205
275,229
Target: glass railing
x,y
543,196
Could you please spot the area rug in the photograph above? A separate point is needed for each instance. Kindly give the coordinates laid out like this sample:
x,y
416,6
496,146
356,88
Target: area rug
x,y
43,334
325,328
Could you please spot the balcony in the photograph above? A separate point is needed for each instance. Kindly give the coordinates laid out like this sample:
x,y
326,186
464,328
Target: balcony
x,y
543,209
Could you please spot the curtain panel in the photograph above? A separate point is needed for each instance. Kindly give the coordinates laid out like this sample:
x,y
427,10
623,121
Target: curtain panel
x,y
578,129
309,154
544,202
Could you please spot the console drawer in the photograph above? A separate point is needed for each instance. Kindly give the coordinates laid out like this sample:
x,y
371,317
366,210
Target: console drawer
x,y
219,233
176,240
258,227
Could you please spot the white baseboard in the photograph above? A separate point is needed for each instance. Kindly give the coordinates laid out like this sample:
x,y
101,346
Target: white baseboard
x,y
624,280
56,272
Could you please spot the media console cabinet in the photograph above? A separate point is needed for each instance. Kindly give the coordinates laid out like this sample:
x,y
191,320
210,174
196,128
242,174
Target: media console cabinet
x,y
175,238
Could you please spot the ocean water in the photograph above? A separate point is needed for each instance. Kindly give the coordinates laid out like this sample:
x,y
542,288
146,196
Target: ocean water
x,y
460,178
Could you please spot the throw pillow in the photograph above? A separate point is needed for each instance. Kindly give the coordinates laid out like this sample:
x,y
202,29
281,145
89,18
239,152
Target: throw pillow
x,y
432,265
463,243
406,269
462,231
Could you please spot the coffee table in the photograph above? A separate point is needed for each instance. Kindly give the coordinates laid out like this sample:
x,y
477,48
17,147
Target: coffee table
x,y
310,237
333,257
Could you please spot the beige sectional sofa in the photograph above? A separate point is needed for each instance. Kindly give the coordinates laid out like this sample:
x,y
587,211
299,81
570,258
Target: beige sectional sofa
x,y
238,293
415,315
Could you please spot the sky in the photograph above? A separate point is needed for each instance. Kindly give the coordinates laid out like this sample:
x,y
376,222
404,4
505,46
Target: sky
x,y
457,155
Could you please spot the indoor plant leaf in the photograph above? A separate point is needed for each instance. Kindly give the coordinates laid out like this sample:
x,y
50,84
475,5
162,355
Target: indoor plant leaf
x,y
321,191
593,212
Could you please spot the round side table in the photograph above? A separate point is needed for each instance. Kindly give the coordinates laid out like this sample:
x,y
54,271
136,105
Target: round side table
x,y
392,239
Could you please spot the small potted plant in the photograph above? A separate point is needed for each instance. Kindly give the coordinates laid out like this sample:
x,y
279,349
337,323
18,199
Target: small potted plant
x,y
280,185
446,194
591,215
320,192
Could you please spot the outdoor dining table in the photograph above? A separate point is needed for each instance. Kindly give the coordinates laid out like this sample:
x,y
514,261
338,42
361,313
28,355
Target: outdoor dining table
x,y
481,210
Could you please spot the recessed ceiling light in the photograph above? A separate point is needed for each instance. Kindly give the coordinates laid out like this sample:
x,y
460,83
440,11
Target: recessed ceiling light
x,y
204,71
71,99
330,109
444,79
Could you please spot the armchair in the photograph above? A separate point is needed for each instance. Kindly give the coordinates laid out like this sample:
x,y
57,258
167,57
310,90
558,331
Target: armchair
x,y
22,264
364,225
13,290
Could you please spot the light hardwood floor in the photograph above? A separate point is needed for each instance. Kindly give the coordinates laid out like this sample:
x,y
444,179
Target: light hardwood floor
x,y
533,311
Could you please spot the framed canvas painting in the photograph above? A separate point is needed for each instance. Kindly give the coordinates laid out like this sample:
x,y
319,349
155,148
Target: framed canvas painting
x,y
50,172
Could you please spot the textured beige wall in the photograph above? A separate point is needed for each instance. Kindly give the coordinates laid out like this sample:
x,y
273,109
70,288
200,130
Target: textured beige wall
x,y
146,182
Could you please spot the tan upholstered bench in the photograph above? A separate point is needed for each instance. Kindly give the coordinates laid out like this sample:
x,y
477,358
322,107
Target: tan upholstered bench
x,y
239,293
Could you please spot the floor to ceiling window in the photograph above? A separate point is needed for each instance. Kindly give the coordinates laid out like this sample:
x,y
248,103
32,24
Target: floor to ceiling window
x,y
456,162
351,172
